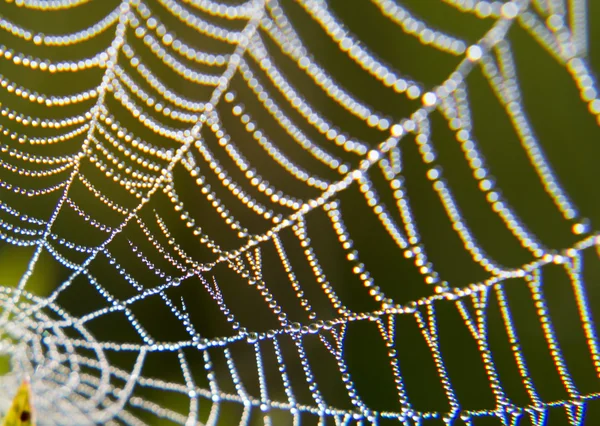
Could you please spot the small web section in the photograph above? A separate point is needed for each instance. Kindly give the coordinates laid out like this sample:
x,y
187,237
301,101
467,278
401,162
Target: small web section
x,y
192,191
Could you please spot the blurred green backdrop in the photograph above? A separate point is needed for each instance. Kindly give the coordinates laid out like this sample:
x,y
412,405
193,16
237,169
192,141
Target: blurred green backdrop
x,y
568,134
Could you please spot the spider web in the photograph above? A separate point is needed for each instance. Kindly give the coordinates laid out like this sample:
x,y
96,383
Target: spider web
x,y
234,231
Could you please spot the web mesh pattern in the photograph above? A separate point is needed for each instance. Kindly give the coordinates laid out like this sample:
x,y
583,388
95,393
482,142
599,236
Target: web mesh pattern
x,y
172,161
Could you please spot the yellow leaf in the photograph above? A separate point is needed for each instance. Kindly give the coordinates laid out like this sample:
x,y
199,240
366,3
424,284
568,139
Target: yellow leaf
x,y
21,410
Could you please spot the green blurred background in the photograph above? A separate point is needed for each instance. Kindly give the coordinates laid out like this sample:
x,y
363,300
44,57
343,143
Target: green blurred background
x,y
568,134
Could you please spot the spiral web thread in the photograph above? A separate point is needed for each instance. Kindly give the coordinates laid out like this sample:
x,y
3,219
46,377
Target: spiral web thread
x,y
72,377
